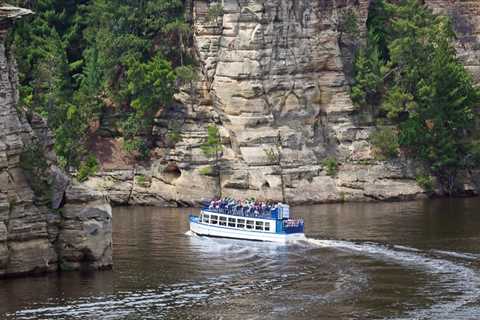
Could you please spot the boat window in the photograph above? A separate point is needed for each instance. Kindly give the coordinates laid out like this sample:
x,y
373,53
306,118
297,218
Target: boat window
x,y
205,218
241,223
231,222
213,219
222,221
249,224
267,226
259,225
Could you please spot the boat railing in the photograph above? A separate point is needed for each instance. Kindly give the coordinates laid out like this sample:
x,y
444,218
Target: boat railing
x,y
242,212
293,225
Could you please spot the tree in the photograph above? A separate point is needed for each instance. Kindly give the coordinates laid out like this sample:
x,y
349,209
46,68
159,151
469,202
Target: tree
x,y
385,143
212,147
347,24
80,58
151,86
214,12
182,31
274,155
367,88
379,27
427,92
187,75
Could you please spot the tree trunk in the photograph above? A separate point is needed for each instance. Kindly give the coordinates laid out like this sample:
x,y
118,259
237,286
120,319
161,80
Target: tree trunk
x,y
219,173
180,38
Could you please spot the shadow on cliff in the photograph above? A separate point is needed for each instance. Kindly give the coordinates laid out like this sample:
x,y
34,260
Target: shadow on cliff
x,y
109,152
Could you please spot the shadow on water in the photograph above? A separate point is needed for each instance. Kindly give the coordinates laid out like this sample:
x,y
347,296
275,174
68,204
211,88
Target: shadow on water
x,y
416,260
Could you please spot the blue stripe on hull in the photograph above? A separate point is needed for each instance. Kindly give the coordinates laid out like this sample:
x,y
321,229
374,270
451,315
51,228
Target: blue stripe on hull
x,y
233,233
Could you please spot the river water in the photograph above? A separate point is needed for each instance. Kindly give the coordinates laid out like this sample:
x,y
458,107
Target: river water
x,y
415,260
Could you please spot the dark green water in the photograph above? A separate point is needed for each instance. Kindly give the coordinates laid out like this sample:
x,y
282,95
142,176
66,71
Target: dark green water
x,y
416,260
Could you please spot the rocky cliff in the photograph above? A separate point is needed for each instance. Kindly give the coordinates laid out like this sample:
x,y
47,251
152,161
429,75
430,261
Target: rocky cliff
x,y
465,15
274,78
46,223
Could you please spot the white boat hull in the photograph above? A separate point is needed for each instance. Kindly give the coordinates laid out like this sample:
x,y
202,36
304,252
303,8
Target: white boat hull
x,y
223,232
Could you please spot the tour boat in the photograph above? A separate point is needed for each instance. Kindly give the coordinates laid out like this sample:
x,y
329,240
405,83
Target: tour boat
x,y
274,225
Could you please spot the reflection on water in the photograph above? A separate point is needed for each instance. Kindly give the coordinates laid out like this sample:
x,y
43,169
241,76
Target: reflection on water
x,y
417,260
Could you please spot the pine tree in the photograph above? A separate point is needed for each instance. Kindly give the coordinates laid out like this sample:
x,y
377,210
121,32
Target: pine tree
x,y
426,91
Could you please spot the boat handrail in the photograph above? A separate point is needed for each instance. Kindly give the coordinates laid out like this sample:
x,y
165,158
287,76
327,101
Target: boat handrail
x,y
240,213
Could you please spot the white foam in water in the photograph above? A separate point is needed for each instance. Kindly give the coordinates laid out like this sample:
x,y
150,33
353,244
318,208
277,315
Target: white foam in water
x,y
183,294
452,275
466,280
461,255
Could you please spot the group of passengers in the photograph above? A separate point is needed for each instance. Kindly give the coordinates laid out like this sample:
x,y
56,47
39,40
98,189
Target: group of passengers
x,y
249,207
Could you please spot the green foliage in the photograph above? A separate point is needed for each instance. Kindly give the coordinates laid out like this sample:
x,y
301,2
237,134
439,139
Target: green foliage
x,y
182,31
214,12
368,72
413,77
348,23
474,152
174,132
425,182
212,145
273,156
206,171
78,59
87,168
398,101
385,143
141,181
132,142
378,25
35,166
136,147
186,74
150,87
331,166
49,53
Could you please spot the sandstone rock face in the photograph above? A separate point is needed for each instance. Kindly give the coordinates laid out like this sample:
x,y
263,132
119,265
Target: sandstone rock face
x,y
274,79
465,15
32,233
85,238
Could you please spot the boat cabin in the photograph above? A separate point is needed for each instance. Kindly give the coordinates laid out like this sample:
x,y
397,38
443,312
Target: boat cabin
x,y
276,220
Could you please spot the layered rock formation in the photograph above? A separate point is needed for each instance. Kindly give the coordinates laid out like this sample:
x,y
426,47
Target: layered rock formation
x,y
274,79
41,229
465,15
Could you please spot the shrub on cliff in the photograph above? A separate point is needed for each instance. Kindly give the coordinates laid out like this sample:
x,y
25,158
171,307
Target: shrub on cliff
x,y
88,168
212,145
385,143
35,167
214,12
331,166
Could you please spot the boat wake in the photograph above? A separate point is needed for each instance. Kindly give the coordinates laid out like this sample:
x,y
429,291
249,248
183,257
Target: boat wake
x,y
259,270
162,301
453,270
